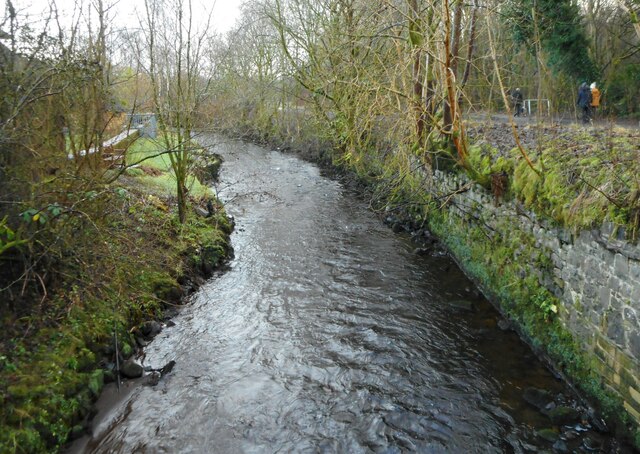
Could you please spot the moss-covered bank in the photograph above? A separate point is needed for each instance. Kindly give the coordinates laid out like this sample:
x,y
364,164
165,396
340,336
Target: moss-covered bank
x,y
129,262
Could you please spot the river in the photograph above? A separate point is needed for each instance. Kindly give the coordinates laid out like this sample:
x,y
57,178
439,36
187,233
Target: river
x,y
328,333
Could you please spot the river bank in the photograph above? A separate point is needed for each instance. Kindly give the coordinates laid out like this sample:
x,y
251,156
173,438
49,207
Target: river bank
x,y
126,272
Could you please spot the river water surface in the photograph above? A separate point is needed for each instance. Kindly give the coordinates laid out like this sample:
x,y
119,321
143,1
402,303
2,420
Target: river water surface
x,y
327,334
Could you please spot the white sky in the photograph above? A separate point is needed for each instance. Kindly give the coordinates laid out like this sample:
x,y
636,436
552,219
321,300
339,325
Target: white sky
x,y
126,12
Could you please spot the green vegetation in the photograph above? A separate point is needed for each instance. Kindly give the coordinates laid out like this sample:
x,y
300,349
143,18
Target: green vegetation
x,y
558,25
146,152
52,347
581,177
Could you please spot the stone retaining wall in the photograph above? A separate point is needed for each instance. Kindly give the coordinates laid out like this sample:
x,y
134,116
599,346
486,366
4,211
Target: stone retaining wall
x,y
595,274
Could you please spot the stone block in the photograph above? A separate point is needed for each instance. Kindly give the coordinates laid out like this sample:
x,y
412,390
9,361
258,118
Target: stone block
x,y
635,414
633,343
634,270
559,283
571,277
607,228
616,305
565,236
634,296
632,251
589,293
625,290
635,395
615,329
629,368
621,266
595,318
575,258
604,297
628,380
594,274
630,317
615,284
607,258
585,237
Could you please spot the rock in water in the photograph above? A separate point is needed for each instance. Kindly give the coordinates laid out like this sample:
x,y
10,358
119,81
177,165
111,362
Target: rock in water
x,y
153,378
167,368
549,435
539,398
150,329
131,369
464,305
563,415
560,446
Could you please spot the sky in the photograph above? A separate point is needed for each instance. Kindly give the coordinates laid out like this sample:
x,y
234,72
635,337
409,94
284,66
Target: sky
x,y
125,12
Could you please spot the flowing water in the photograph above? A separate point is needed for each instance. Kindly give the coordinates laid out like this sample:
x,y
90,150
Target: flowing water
x,y
327,334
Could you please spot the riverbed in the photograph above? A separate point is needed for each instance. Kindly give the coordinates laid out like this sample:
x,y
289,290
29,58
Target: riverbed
x,y
329,333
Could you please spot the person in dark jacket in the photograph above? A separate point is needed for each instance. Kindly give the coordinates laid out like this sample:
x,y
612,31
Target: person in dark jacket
x,y
517,102
584,102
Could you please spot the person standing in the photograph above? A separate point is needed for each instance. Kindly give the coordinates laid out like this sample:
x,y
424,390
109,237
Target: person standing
x,y
595,99
584,102
517,102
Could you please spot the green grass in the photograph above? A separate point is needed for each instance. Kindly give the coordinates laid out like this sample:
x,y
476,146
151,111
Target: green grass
x,y
141,151
145,151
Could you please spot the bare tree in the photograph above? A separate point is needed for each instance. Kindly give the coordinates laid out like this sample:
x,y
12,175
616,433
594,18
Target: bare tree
x,y
175,63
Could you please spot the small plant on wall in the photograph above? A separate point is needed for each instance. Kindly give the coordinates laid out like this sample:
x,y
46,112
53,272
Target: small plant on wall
x,y
547,305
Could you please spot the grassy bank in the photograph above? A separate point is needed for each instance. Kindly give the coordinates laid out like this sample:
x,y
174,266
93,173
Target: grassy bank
x,y
120,258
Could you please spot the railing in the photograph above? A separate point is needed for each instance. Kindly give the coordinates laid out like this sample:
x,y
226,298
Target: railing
x,y
541,101
145,122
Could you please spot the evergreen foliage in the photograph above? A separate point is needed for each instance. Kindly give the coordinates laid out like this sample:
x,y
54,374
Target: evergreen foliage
x,y
558,24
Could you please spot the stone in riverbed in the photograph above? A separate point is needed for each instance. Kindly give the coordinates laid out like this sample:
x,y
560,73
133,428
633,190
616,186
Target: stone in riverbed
x,y
150,329
464,305
141,342
131,369
549,435
201,211
504,324
539,398
560,446
563,415
153,378
167,368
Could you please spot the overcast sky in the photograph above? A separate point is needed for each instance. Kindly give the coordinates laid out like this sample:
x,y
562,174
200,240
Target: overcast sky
x,y
125,12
